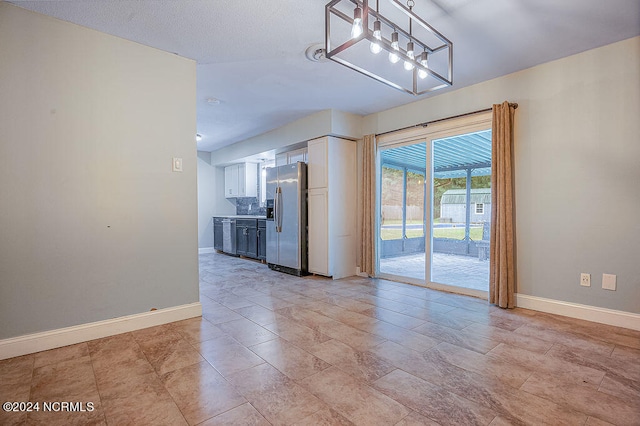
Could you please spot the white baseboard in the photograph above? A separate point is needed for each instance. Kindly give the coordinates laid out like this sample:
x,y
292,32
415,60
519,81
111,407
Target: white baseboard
x,y
206,250
30,343
584,312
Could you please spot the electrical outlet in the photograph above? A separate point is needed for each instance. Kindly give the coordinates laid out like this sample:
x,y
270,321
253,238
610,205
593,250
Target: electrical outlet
x,y
585,280
609,282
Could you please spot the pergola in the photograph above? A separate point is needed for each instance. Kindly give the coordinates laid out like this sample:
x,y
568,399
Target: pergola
x,y
453,157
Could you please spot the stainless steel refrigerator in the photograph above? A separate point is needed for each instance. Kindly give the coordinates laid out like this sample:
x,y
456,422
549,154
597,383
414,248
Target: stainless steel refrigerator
x,y
287,218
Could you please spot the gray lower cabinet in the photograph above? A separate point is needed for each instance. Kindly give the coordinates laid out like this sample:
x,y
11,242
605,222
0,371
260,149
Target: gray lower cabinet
x,y
250,237
262,239
247,238
217,233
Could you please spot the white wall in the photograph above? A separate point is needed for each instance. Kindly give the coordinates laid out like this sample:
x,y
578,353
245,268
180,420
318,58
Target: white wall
x,y
206,195
322,123
577,160
211,199
93,224
306,128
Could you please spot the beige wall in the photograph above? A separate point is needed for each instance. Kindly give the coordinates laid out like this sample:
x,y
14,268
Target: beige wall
x,y
577,169
94,224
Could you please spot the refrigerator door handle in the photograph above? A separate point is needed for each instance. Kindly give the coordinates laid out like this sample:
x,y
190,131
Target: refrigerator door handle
x,y
275,208
278,209
281,210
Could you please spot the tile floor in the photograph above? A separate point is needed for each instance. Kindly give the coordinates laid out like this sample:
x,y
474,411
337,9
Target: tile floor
x,y
450,269
276,349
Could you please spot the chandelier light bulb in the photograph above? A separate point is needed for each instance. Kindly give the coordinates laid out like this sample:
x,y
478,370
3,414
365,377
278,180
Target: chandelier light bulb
x,y
375,47
393,57
356,29
423,61
351,27
408,65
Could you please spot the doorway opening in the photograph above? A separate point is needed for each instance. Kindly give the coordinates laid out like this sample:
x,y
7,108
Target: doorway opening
x,y
434,204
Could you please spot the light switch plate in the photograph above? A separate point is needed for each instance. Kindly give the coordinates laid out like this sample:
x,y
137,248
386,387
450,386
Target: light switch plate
x,y
177,164
609,282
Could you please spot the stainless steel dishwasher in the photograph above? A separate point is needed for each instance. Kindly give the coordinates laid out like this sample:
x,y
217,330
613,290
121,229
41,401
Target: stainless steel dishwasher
x,y
229,236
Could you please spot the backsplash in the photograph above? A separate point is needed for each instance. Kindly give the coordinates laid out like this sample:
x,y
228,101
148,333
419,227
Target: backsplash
x,y
249,206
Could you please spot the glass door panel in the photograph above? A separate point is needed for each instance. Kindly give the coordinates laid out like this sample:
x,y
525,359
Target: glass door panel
x,y
391,210
402,212
415,204
413,248
461,210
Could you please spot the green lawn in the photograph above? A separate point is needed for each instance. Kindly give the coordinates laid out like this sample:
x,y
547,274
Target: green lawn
x,y
399,222
455,233
396,234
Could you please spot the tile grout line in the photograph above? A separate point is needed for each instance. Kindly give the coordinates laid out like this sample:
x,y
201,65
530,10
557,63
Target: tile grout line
x,y
95,379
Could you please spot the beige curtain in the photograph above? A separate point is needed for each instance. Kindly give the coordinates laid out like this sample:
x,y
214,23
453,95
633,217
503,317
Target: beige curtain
x,y
502,275
368,208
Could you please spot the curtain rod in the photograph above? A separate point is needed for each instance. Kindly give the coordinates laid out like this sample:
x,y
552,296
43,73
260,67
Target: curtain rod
x,y
426,123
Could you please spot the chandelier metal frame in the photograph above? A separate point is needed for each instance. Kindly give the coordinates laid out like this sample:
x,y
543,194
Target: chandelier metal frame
x,y
367,35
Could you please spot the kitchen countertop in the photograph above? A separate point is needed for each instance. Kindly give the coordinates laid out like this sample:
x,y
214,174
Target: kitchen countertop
x,y
240,216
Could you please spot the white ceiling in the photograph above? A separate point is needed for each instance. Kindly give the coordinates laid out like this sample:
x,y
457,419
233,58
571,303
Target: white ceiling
x,y
250,53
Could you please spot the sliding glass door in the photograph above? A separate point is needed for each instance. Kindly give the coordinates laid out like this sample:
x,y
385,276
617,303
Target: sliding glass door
x,y
434,205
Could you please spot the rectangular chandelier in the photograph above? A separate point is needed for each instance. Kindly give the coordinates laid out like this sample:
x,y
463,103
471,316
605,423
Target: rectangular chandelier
x,y
397,48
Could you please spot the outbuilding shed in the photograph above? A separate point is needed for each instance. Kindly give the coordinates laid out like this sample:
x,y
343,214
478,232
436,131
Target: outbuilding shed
x,y
453,205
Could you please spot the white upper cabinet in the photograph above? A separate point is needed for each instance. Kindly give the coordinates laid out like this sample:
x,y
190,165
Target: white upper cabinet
x,y
231,181
298,155
241,180
318,151
282,159
291,157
